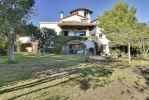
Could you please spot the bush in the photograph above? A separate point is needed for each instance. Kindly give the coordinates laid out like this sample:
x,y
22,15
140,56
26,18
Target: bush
x,y
60,41
49,42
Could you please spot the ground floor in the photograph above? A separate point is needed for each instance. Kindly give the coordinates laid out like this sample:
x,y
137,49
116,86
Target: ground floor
x,y
84,47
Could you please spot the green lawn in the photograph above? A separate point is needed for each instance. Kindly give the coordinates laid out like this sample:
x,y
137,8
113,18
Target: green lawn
x,y
30,58
26,65
69,77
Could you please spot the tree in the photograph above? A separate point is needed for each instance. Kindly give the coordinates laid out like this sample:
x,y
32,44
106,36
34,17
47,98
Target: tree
x,y
12,14
46,38
142,38
27,29
119,24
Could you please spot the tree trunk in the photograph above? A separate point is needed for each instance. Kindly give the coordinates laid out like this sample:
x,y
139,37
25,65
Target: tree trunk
x,y
11,45
18,43
129,52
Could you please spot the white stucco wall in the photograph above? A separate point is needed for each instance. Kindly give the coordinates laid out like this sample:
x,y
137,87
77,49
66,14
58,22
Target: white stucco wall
x,y
89,44
81,13
102,40
73,18
96,31
51,25
25,39
89,17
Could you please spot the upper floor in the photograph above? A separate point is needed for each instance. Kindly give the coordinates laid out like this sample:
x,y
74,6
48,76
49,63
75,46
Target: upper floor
x,y
77,15
77,23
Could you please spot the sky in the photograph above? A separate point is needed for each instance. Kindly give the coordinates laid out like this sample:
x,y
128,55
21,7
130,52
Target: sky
x,y
48,10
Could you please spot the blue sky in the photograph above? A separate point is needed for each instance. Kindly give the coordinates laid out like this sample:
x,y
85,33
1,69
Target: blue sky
x,y
48,10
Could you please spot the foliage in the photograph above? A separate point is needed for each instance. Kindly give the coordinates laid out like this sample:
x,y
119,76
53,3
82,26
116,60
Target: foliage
x,y
121,27
46,38
119,23
27,29
12,14
50,42
60,41
3,46
115,53
98,76
143,29
95,71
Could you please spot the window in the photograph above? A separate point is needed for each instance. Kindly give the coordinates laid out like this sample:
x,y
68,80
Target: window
x,y
65,33
80,33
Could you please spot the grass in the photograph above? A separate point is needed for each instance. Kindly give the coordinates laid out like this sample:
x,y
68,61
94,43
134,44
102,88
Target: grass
x,y
30,58
26,65
61,77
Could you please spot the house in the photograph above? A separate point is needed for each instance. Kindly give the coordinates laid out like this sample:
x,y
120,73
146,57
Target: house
x,y
78,23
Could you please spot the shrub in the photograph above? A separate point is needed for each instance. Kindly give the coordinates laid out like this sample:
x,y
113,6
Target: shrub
x,y
48,36
60,41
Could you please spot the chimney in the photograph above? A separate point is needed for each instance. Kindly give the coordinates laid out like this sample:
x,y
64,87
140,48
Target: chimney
x,y
61,15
